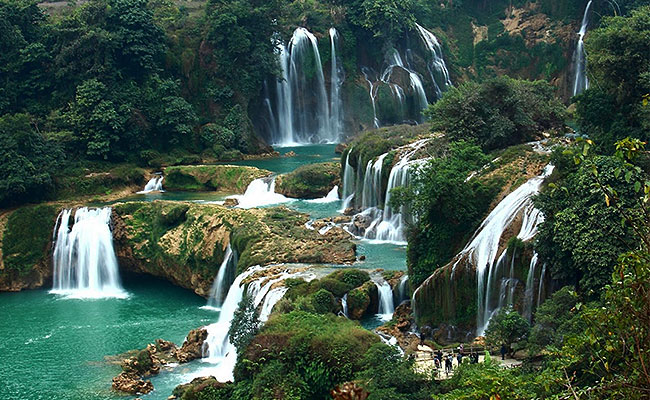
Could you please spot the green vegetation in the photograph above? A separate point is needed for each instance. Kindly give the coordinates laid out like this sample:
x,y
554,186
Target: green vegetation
x,y
309,181
497,113
26,237
618,60
506,327
224,178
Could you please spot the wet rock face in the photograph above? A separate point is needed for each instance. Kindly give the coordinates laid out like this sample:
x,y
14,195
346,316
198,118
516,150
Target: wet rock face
x,y
132,384
310,181
192,348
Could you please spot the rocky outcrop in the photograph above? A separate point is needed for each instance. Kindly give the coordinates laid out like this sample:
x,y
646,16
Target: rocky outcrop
x,y
310,181
222,178
349,391
185,242
137,365
193,389
363,301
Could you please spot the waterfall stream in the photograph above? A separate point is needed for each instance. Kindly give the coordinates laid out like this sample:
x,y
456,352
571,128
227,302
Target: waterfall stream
x,y
482,250
154,185
581,82
85,265
300,110
260,193
223,279
386,305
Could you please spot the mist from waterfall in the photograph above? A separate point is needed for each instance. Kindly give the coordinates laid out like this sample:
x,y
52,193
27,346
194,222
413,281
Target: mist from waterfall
x,y
581,81
85,265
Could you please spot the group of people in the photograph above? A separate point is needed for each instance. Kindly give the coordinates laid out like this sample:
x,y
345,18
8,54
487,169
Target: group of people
x,y
446,360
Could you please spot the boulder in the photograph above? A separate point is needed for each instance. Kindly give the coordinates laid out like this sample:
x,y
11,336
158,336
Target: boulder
x,y
192,348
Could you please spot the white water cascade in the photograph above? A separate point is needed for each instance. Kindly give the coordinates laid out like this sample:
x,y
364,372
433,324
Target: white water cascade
x,y
403,288
372,90
394,60
436,65
260,193
337,76
85,265
529,300
332,196
301,110
482,250
386,305
344,305
390,224
154,185
581,82
223,279
348,184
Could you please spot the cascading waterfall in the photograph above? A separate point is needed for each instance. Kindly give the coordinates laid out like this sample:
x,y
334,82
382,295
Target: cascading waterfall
x,y
304,113
540,289
154,185
484,246
348,184
223,279
259,193
386,305
337,77
389,224
403,288
344,305
436,65
371,195
85,265
394,59
581,81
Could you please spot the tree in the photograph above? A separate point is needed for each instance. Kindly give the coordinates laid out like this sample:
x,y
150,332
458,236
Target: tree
x,y
506,327
497,113
245,324
26,161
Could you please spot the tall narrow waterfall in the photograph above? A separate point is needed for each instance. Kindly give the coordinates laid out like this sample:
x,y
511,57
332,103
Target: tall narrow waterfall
x,y
483,248
301,111
348,184
224,278
386,305
336,81
394,59
581,82
85,265
373,94
436,65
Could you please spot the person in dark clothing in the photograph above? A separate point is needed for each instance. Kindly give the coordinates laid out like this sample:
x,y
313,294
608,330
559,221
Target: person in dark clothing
x,y
447,364
503,351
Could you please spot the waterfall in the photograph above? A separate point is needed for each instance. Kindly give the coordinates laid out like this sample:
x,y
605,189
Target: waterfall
x,y
581,82
542,276
403,288
304,113
386,306
85,265
529,301
389,224
348,184
259,193
437,67
394,59
336,81
484,246
332,196
371,195
344,305
217,348
154,185
224,277
373,95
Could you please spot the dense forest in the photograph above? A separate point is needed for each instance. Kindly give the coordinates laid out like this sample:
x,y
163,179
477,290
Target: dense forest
x,y
98,95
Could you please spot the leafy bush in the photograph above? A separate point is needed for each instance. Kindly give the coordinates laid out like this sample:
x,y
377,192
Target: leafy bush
x,y
323,301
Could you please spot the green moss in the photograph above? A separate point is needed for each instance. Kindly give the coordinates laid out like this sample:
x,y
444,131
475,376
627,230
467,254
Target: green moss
x,y
226,178
26,237
80,181
309,181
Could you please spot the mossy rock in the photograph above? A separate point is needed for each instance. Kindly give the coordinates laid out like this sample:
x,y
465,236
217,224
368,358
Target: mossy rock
x,y
26,241
363,301
200,178
310,181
